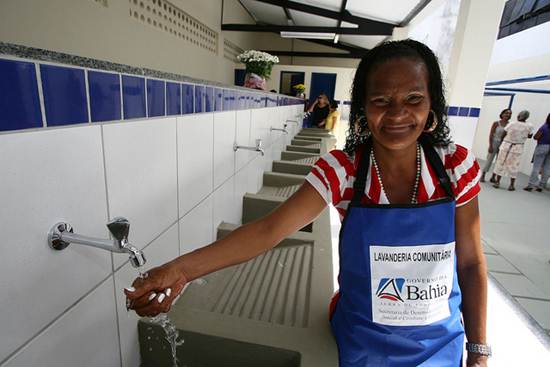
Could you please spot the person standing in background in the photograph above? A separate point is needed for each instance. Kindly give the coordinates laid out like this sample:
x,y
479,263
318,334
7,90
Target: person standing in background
x,y
541,159
318,110
509,154
495,139
333,119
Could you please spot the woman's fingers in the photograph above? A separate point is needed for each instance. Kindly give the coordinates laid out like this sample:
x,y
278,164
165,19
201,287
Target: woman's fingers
x,y
161,303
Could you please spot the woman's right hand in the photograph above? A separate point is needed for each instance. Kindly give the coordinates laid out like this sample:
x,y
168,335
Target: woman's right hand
x,y
154,293
490,149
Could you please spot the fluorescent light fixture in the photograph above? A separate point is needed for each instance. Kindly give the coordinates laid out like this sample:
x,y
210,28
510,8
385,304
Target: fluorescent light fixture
x,y
336,38
322,36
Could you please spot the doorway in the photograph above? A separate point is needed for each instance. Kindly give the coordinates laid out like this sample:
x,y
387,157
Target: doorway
x,y
322,83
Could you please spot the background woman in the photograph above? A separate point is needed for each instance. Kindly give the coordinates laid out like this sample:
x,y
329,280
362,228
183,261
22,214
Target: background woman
x,y
495,139
412,271
511,149
541,159
318,110
333,119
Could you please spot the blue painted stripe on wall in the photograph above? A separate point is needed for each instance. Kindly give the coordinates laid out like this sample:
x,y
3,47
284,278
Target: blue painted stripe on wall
x,y
188,98
19,102
520,80
173,98
64,91
524,90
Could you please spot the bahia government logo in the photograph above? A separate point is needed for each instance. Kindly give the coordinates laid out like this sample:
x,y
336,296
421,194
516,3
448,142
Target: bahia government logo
x,y
390,288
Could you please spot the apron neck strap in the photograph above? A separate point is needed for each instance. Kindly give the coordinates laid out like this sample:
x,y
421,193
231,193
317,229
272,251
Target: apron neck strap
x,y
364,165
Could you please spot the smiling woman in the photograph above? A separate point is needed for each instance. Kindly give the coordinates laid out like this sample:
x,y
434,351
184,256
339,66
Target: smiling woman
x,y
411,264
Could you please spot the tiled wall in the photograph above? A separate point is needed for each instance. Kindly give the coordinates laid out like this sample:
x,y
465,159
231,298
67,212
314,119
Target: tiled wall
x,y
172,172
38,94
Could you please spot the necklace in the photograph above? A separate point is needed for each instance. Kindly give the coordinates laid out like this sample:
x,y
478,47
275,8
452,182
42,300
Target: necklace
x,y
414,198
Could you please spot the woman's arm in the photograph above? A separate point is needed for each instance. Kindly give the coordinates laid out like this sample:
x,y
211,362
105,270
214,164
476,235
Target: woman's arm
x,y
312,106
242,244
472,277
538,135
492,135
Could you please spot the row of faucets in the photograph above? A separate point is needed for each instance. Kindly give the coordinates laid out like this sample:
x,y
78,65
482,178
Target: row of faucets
x,y
62,234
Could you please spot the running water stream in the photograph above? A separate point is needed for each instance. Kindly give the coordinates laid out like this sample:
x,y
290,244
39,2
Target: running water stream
x,y
170,330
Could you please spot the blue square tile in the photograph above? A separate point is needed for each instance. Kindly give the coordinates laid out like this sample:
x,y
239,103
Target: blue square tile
x,y
233,99
209,99
188,98
64,95
133,96
155,98
173,98
463,111
219,99
474,112
226,100
199,98
104,96
452,111
19,104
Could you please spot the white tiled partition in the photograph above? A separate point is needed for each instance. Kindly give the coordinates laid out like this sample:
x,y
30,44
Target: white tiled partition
x,y
174,178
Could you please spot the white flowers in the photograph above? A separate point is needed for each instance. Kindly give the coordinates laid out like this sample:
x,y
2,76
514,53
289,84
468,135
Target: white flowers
x,y
257,56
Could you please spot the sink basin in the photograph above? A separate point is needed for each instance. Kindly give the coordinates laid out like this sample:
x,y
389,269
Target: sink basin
x,y
200,350
298,148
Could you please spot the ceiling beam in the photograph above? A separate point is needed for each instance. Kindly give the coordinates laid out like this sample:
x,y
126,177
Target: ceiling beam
x,y
289,19
413,13
381,27
342,10
371,31
313,54
339,46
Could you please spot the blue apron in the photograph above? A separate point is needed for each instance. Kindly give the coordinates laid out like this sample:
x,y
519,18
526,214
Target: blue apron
x,y
399,303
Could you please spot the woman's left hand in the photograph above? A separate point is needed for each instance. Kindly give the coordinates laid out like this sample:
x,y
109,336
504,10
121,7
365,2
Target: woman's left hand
x,y
476,360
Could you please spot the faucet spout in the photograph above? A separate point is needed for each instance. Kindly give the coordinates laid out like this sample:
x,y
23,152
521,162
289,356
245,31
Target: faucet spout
x,y
257,148
62,235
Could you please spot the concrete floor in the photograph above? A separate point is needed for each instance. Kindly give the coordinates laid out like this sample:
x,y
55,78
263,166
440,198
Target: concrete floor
x,y
515,230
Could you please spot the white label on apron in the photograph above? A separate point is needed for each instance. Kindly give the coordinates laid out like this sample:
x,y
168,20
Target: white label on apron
x,y
411,284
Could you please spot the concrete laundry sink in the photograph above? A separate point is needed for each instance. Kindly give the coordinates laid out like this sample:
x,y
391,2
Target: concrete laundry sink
x,y
296,156
299,148
307,143
296,168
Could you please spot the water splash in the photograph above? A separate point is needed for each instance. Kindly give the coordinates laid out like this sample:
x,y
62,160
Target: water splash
x,y
171,334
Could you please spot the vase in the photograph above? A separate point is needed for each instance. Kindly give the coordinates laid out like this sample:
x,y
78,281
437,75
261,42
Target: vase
x,y
254,81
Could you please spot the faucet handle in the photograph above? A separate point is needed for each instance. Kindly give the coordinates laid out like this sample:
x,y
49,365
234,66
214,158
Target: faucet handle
x,y
258,143
119,228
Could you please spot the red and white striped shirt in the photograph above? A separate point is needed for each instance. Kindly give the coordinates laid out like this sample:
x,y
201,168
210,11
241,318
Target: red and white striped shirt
x,y
334,173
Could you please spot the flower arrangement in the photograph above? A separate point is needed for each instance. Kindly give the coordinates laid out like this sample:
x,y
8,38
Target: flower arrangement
x,y
299,88
257,62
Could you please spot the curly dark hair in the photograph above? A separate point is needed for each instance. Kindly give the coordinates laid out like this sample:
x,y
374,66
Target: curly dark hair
x,y
358,131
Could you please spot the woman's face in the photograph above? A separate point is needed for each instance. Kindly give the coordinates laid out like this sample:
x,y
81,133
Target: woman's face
x,y
506,115
323,99
397,102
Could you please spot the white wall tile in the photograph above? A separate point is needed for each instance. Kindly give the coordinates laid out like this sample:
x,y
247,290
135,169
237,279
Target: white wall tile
x,y
224,137
140,159
197,228
242,137
47,177
86,336
160,251
225,204
259,129
195,159
241,188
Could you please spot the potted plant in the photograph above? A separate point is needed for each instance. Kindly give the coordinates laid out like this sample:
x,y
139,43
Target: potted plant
x,y
258,68
300,89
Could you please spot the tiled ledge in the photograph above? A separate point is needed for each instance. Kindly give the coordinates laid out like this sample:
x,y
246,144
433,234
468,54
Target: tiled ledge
x,y
42,88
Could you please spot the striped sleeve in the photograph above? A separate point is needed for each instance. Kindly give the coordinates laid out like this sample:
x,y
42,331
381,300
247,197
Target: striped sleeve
x,y
464,173
330,174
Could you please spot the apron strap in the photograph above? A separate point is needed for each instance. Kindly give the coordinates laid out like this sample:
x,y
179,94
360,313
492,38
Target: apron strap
x,y
364,165
437,164
362,172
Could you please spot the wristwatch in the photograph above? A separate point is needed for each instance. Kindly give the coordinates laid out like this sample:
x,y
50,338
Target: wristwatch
x,y
482,349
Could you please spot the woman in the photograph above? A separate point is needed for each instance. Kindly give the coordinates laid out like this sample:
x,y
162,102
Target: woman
x,y
318,111
333,118
495,139
404,191
511,149
541,159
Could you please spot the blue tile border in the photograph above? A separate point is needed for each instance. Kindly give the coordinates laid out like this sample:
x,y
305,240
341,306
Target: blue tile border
x,y
463,111
84,94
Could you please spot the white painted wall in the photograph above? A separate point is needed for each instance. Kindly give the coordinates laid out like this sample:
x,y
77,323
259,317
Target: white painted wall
x,y
61,308
344,78
521,55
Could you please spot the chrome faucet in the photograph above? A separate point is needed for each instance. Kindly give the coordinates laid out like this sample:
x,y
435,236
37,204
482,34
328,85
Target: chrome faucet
x,y
257,148
61,235
284,130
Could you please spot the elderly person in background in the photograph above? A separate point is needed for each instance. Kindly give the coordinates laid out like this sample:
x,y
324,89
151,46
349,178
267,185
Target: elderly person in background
x,y
509,154
541,159
495,139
